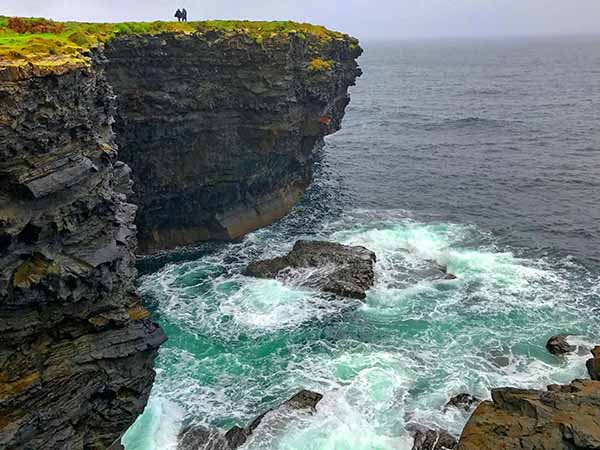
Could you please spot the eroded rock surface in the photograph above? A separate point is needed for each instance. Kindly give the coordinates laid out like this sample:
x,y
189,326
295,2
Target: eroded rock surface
x,y
561,418
593,365
220,130
76,345
433,440
463,401
202,438
341,269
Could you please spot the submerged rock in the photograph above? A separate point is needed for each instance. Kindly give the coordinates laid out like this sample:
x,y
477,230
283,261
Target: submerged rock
x,y
463,401
561,418
201,438
558,345
433,440
593,365
344,270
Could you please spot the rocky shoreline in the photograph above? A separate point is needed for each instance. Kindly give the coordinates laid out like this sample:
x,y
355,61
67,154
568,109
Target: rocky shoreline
x,y
218,126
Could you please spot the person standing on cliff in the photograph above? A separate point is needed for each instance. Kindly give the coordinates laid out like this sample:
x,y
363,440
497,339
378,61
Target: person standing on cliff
x,y
179,15
184,15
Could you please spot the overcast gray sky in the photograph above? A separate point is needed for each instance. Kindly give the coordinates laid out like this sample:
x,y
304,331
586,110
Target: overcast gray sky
x,y
366,19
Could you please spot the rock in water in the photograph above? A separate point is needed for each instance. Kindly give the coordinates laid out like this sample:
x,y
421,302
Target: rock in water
x,y
201,438
346,271
593,365
433,440
561,418
463,401
558,345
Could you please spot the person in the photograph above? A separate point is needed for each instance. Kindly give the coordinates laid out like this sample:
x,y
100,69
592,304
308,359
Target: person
x,y
179,15
184,15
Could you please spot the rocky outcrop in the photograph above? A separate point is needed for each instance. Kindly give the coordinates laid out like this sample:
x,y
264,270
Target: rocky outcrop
x,y
561,418
433,440
76,345
593,365
558,345
220,128
342,270
197,438
463,401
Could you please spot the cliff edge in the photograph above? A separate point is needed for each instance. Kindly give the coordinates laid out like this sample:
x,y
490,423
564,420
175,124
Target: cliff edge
x,y
217,120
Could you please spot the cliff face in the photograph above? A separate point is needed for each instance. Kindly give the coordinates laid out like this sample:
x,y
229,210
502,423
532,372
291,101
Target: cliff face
x,y
220,129
76,346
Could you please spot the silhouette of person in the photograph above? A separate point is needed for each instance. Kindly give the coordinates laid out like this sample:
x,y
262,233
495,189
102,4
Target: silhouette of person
x,y
184,15
179,15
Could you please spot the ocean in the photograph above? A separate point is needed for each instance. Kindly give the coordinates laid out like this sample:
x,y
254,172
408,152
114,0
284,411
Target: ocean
x,y
483,156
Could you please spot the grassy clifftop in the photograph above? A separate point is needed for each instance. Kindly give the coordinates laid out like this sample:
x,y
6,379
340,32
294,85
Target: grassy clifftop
x,y
50,44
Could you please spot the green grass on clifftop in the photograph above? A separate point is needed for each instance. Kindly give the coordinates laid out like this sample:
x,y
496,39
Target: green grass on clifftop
x,y
45,42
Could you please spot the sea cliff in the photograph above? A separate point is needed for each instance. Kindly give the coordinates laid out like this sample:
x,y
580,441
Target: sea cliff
x,y
217,121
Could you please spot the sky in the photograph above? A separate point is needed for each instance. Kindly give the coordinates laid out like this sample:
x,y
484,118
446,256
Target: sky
x,y
366,19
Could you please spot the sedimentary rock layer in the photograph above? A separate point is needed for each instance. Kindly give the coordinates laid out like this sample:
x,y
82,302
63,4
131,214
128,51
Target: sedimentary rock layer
x,y
220,129
76,346
561,418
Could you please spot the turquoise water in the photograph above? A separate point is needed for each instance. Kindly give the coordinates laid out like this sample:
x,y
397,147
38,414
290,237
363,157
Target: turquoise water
x,y
238,345
492,150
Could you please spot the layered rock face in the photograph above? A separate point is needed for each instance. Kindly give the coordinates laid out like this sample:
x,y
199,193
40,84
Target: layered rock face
x,y
561,418
220,129
76,346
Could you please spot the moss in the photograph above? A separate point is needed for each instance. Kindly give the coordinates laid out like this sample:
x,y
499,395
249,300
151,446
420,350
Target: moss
x,y
320,65
34,270
35,39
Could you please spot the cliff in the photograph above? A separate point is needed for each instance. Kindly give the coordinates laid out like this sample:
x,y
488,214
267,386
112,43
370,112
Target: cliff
x,y
220,129
218,121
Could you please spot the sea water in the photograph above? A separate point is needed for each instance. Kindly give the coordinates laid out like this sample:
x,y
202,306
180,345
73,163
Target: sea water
x,y
480,156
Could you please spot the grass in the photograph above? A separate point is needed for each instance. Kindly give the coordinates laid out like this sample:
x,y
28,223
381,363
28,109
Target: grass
x,y
42,41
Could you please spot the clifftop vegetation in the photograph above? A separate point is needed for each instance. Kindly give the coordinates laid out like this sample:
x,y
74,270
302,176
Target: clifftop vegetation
x,y
48,43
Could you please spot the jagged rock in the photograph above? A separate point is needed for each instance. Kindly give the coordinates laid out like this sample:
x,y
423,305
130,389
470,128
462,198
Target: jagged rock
x,y
220,131
346,271
463,401
76,346
558,345
201,438
561,418
593,365
433,440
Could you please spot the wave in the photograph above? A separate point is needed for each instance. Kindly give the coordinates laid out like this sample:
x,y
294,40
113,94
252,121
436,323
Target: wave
x,y
237,346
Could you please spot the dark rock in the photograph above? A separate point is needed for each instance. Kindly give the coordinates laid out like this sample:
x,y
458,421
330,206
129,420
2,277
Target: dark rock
x,y
221,132
561,418
463,401
201,438
433,440
76,346
558,345
346,271
195,438
593,365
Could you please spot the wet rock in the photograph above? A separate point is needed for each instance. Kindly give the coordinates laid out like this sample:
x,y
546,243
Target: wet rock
x,y
343,270
561,418
76,346
201,438
463,401
558,345
425,439
593,365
